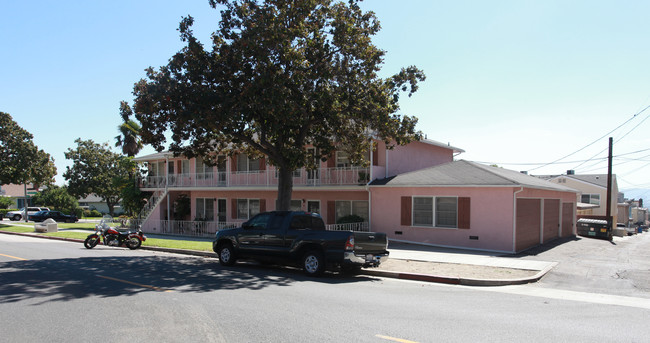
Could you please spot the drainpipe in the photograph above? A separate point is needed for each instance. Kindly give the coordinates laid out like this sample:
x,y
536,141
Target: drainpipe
x,y
514,218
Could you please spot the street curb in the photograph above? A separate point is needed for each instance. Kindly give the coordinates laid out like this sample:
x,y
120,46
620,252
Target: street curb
x,y
381,273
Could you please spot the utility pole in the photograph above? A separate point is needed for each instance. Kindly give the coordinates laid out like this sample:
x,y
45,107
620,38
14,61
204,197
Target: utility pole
x,y
609,184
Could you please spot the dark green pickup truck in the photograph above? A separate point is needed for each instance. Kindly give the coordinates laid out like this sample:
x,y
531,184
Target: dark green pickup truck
x,y
299,238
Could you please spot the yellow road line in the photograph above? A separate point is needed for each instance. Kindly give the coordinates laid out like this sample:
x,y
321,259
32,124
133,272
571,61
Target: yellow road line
x,y
388,338
18,258
133,283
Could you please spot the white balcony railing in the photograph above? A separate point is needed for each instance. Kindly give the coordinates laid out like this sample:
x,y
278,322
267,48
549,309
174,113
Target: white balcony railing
x,y
318,177
209,228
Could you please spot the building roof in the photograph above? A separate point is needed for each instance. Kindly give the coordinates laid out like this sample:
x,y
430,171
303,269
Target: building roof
x,y
599,180
468,174
154,156
162,155
442,145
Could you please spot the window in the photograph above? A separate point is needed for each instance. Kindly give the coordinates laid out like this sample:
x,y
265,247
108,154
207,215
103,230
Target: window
x,y
343,159
296,205
204,209
313,206
423,211
261,221
446,212
203,171
352,207
247,208
593,199
443,211
185,167
245,164
307,223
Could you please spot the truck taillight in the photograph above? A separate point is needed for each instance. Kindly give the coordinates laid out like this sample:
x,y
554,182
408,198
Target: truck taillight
x,y
349,245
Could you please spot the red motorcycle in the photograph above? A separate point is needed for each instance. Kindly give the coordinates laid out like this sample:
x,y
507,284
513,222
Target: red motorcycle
x,y
111,237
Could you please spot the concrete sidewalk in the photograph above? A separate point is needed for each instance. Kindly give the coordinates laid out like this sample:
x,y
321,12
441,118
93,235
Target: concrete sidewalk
x,y
422,263
457,266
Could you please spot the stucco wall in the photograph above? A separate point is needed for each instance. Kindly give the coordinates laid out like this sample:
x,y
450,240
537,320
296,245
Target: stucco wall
x,y
491,217
415,156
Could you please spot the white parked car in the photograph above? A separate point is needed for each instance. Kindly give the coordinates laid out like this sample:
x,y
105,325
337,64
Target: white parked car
x,y
18,215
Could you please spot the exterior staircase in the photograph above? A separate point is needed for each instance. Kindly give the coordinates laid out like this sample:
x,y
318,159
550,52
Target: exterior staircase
x,y
152,203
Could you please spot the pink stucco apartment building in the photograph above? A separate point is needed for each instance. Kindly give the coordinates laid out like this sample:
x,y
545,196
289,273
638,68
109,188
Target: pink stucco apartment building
x,y
413,193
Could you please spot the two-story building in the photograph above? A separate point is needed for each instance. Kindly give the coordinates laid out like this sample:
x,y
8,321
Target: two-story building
x,y
592,190
414,193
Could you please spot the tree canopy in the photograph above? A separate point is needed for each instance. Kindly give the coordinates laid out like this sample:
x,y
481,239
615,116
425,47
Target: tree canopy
x,y
21,161
97,170
281,75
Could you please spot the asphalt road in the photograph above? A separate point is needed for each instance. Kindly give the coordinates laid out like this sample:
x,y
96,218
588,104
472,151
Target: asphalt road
x,y
620,267
53,291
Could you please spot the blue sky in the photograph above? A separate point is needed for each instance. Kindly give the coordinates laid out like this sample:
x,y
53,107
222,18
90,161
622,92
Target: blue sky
x,y
515,83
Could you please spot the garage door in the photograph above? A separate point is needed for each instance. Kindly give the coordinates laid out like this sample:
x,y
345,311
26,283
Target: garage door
x,y
528,223
551,220
567,220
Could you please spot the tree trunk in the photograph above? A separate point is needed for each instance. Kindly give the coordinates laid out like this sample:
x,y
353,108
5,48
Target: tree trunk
x,y
110,207
285,187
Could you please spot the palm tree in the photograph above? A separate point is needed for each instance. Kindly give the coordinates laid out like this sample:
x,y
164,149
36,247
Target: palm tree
x,y
129,138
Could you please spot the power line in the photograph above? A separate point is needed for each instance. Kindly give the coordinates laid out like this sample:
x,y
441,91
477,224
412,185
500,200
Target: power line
x,y
594,142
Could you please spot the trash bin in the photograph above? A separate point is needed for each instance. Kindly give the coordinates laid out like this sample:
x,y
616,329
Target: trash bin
x,y
594,228
639,229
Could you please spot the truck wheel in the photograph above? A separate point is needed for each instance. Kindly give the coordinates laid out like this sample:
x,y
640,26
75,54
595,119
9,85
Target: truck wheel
x,y
313,263
16,217
226,255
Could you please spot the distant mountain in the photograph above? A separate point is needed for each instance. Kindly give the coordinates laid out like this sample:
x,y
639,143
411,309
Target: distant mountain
x,y
636,193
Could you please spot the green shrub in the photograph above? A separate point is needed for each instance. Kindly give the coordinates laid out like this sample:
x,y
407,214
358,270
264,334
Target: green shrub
x,y
3,212
91,213
353,218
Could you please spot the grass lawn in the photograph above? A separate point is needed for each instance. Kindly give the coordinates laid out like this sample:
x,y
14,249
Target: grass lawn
x,y
152,242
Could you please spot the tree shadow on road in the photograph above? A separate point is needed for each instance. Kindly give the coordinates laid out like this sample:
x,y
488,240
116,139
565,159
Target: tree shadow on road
x,y
75,278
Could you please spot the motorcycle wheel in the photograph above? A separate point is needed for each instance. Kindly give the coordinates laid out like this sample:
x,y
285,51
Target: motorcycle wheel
x,y
133,243
91,242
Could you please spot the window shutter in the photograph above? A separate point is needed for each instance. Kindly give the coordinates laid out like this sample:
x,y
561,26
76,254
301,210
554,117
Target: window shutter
x,y
375,156
406,211
262,205
463,213
331,160
233,163
263,165
234,208
331,212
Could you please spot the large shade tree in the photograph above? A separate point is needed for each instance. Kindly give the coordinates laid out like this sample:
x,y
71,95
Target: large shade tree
x,y
280,75
21,161
97,170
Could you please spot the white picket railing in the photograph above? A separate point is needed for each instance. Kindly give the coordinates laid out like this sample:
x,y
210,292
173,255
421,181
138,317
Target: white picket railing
x,y
318,177
209,228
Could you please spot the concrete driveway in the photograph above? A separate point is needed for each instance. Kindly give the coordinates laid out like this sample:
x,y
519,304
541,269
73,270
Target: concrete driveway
x,y
620,267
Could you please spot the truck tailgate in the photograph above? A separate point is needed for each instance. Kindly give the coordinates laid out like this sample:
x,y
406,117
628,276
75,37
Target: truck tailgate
x,y
369,242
